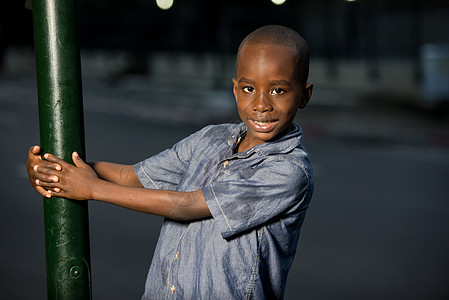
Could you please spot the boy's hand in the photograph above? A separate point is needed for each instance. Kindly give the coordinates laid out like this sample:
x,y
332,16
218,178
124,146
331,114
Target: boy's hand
x,y
74,182
36,171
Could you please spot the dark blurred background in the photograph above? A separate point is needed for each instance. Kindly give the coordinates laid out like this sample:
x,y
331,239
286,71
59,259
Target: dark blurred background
x,y
377,129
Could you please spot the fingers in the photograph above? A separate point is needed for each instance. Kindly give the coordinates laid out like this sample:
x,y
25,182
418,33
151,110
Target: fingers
x,y
58,193
45,172
45,175
50,171
42,177
34,153
51,193
50,189
47,169
34,150
35,159
59,163
79,162
46,184
43,192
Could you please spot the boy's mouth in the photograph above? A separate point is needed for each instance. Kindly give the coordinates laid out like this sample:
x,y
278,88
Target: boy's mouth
x,y
263,125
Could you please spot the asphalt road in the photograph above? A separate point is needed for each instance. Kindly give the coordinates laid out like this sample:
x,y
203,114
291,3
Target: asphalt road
x,y
377,227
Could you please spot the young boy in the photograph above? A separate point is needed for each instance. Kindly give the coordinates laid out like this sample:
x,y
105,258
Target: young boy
x,y
234,195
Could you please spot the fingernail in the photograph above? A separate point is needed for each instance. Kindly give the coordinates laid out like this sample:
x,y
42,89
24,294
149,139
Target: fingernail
x,y
54,178
37,181
57,190
35,167
75,154
58,167
48,195
46,155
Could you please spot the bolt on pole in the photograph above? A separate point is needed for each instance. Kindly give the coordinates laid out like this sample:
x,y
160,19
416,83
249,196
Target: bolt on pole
x,y
58,68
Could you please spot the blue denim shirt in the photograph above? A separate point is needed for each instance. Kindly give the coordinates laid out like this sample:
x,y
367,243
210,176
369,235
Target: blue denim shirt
x,y
258,200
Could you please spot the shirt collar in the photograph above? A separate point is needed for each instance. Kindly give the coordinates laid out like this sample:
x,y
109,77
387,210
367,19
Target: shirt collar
x,y
281,144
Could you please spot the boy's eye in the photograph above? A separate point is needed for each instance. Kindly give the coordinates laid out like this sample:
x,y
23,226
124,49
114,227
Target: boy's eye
x,y
277,91
248,89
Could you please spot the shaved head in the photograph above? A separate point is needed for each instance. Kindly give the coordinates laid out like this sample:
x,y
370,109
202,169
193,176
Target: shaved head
x,y
281,36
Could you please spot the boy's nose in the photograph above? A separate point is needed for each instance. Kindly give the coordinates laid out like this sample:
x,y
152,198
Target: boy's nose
x,y
262,104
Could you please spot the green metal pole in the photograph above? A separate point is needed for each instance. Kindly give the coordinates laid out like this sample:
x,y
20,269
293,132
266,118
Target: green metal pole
x,y
62,132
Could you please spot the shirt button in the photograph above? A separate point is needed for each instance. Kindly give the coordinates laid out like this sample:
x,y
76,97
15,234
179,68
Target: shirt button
x,y
177,255
172,289
225,163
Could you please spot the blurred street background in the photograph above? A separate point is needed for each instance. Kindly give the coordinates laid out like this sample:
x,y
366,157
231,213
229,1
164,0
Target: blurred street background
x,y
377,129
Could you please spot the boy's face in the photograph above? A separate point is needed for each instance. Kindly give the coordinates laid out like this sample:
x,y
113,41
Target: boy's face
x,y
268,91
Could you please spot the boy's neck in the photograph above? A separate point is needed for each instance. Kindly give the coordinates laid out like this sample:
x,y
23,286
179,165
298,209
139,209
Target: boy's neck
x,y
244,143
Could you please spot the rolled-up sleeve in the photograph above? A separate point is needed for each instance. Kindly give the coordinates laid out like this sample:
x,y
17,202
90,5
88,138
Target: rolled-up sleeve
x,y
256,195
166,169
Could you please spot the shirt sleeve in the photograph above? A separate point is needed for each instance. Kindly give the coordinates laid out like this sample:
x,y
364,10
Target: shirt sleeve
x,y
165,170
258,195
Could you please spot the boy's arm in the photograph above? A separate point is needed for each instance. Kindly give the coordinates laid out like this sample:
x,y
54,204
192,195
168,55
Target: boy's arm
x,y
81,182
116,173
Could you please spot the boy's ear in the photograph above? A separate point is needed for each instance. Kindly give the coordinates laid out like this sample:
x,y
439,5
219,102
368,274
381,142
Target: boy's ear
x,y
306,95
234,89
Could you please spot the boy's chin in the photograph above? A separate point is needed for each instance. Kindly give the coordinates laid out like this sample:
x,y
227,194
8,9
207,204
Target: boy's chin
x,y
264,136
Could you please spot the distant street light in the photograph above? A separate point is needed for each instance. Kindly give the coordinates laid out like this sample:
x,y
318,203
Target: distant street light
x,y
278,2
164,4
